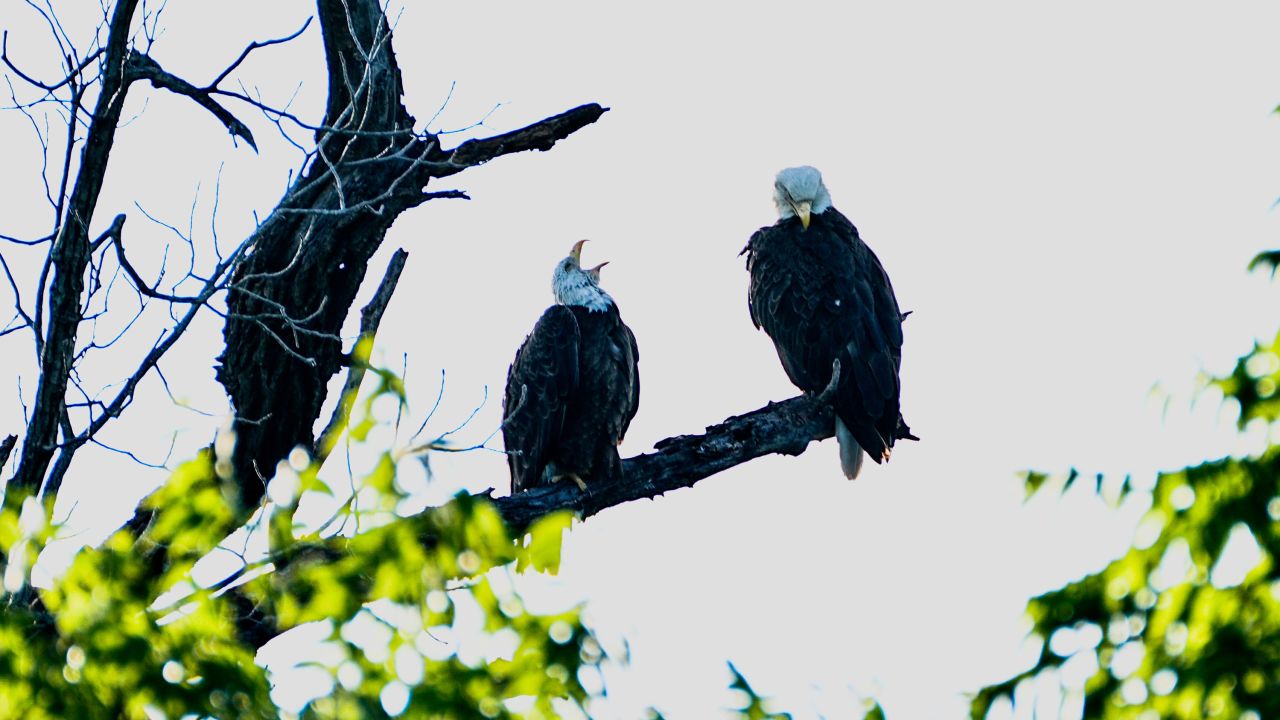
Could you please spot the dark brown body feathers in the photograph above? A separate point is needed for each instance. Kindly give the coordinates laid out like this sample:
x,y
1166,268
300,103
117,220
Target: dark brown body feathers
x,y
571,393
821,293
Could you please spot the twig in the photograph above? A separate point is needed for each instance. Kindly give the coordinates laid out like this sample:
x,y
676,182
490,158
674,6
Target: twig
x,y
115,237
434,407
254,46
125,396
475,411
4,56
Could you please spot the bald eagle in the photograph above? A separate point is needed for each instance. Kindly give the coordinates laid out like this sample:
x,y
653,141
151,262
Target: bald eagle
x,y
821,294
573,387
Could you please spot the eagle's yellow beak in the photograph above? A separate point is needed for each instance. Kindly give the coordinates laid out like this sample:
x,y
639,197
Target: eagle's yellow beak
x,y
802,212
576,253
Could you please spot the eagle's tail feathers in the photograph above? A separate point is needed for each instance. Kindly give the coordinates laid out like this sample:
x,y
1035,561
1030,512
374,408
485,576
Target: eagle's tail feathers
x,y
850,451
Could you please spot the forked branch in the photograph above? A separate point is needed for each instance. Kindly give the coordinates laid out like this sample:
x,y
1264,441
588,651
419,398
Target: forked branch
x,y
142,67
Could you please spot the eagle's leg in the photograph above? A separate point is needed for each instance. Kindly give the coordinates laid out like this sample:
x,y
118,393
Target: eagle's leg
x,y
582,485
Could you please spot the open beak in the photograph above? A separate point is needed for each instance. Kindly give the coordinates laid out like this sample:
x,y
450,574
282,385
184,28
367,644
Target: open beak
x,y
576,253
802,211
594,272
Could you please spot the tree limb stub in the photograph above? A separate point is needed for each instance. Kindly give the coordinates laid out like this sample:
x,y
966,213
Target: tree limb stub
x,y
542,135
6,447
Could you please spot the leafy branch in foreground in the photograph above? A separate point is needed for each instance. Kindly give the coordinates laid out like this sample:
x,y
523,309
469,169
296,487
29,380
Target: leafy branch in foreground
x,y
117,636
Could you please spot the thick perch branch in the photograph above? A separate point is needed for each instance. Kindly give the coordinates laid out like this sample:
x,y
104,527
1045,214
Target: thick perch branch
x,y
785,428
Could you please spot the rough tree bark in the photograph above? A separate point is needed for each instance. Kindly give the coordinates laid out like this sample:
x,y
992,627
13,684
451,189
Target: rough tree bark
x,y
291,295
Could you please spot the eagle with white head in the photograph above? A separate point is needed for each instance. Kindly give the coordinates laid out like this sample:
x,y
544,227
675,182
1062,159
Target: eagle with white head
x,y
820,294
573,387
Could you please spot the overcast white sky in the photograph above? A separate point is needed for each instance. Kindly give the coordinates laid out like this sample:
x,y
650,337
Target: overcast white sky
x,y
1066,196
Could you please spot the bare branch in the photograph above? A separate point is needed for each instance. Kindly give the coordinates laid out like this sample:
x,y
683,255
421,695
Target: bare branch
x,y
143,67
17,296
48,87
542,135
370,320
254,46
434,407
124,397
416,199
112,231
20,241
114,235
369,166
129,454
441,442
275,336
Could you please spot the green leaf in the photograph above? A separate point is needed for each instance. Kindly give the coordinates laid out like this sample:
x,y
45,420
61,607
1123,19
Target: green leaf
x,y
1033,482
545,537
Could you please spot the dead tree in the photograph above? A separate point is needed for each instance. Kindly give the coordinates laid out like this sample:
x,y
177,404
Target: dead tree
x,y
289,286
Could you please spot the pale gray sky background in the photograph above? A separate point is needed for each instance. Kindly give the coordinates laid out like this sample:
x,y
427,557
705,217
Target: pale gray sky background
x,y
1065,195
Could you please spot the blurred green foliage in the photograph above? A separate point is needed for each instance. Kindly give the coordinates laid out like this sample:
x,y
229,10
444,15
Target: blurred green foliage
x,y
125,633
753,707
102,644
1166,631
